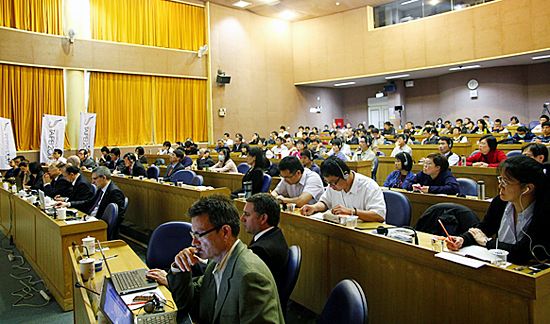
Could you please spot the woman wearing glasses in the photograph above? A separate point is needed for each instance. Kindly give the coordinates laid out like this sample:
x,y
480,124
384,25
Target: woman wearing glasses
x,y
435,177
518,216
488,155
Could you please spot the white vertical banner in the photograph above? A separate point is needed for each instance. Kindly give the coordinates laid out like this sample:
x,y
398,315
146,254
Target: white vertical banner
x,y
53,135
87,132
7,143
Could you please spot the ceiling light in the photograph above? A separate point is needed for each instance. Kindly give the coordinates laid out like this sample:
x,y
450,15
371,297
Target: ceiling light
x,y
434,2
467,67
344,84
337,3
399,76
288,15
542,57
408,2
242,4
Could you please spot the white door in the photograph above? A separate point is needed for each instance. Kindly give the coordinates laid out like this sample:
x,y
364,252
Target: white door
x,y
378,112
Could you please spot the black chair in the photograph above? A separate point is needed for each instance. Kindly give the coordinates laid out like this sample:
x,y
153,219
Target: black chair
x,y
290,275
153,172
467,186
398,208
166,241
346,304
374,168
110,216
456,218
266,183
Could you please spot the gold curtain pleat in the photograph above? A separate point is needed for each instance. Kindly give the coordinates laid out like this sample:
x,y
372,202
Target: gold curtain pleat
x,y
42,16
26,94
149,22
180,109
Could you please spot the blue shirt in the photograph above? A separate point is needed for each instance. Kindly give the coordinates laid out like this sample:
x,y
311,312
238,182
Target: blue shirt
x,y
444,183
394,180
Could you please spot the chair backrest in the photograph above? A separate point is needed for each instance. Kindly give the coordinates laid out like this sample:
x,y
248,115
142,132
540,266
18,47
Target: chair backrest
x,y
374,168
467,186
456,218
474,152
380,153
533,124
345,304
398,208
110,216
185,176
291,273
153,172
266,183
243,168
166,241
513,153
198,180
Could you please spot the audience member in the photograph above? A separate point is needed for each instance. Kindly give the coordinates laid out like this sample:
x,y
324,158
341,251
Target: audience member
x,y
54,182
401,145
402,176
364,152
176,159
82,188
204,160
536,151
543,119
523,135
132,167
299,185
140,153
488,155
545,136
225,164
445,148
85,159
435,177
116,164
166,148
307,161
257,161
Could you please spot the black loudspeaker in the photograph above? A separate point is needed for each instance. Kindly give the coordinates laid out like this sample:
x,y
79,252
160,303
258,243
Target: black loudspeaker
x,y
223,79
398,108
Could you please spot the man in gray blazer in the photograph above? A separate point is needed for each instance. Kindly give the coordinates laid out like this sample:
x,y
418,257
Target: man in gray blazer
x,y
237,286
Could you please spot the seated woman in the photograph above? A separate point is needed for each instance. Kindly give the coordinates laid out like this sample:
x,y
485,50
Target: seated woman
x,y
225,164
435,177
482,127
140,152
517,217
402,176
488,155
244,150
257,161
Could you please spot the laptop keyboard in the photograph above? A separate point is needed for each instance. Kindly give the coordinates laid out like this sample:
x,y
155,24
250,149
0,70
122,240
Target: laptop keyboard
x,y
132,279
159,318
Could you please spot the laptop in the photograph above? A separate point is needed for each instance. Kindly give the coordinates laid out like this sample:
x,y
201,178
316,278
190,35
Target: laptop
x,y
45,202
117,312
131,281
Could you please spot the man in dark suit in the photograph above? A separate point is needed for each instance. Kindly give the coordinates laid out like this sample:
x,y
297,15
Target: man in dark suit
x,y
116,162
176,159
238,144
260,218
107,192
132,166
82,188
54,182
237,286
85,160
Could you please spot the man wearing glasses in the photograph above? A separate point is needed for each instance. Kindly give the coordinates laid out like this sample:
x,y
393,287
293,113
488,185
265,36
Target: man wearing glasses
x,y
237,286
348,193
299,186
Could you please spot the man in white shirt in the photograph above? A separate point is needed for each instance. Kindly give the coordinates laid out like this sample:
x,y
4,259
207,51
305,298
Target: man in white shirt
x,y
228,141
299,186
364,153
445,147
401,145
57,156
348,193
279,150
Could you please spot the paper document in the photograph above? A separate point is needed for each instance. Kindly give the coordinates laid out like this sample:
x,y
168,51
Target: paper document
x,y
129,299
453,257
477,251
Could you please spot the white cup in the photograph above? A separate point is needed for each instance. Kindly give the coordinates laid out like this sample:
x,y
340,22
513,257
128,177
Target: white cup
x,y
62,213
500,257
351,221
87,268
14,189
290,207
31,199
89,243
6,186
241,195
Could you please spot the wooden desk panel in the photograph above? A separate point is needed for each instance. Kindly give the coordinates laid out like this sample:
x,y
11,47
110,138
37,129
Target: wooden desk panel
x,y
406,283
5,211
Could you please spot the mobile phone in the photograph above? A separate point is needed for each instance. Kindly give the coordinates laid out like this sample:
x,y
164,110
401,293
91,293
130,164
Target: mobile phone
x,y
539,267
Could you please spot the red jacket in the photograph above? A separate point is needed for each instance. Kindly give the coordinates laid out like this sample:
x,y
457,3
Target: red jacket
x,y
493,158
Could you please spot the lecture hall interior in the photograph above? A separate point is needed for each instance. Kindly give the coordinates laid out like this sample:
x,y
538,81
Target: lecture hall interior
x,y
121,119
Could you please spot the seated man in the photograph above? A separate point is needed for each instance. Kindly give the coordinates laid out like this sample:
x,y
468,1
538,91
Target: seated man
x,y
82,188
299,185
523,134
545,136
401,145
237,286
107,192
116,163
204,160
307,161
435,177
54,182
260,218
14,164
85,160
432,139
57,156
445,147
176,158
349,193
536,151
132,167
364,153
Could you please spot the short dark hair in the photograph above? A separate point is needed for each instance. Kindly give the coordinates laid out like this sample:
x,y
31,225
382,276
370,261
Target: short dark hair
x,y
537,149
308,154
72,169
115,151
491,141
265,203
167,143
406,160
105,149
337,142
179,154
35,167
439,160
375,130
522,129
459,120
130,156
447,140
498,120
545,117
291,164
546,123
140,150
220,211
84,151
23,164
402,136
333,166
58,151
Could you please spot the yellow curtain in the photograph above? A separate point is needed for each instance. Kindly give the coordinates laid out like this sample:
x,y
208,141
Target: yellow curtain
x,y
180,109
149,22
42,16
26,93
123,107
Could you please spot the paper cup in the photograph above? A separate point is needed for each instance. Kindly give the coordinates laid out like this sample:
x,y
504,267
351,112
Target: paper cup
x,y
290,207
61,213
87,268
89,243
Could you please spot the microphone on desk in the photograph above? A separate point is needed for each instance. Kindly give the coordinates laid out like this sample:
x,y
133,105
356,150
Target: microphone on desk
x,y
79,285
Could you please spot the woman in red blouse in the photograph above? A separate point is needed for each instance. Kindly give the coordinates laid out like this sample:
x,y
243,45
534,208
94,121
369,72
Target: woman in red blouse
x,y
488,155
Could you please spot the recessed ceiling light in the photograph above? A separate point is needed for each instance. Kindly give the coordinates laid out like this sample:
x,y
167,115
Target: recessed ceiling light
x,y
399,76
337,3
344,84
434,2
467,67
542,57
288,15
408,2
242,4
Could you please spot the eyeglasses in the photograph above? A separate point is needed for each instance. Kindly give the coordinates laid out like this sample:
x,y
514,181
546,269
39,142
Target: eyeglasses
x,y
335,183
503,182
288,176
197,235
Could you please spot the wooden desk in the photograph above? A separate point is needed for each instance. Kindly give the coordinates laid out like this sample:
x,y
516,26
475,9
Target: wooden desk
x,y
43,242
151,203
406,283
86,304
233,181
421,151
151,158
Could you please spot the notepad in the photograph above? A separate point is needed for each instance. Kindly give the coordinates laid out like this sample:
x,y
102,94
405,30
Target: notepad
x,y
453,257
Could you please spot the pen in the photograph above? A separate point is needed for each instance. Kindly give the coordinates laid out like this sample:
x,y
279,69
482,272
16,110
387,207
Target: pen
x,y
111,257
445,230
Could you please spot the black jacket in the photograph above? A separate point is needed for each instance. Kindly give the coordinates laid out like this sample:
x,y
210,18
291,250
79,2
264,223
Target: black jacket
x,y
112,195
59,186
171,170
203,163
82,189
137,170
272,248
36,182
116,165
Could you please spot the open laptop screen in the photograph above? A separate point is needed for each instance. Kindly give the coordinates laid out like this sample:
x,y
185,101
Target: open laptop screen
x,y
112,305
